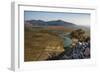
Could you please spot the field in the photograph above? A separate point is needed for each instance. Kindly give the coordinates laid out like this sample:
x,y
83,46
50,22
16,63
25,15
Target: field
x,y
41,44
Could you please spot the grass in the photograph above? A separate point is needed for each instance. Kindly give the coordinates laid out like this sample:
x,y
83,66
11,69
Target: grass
x,y
40,44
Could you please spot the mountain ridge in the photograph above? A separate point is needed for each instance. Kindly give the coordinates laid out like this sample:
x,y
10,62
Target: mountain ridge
x,y
49,23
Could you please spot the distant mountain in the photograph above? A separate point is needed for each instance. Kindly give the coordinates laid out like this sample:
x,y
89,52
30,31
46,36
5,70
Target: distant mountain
x,y
59,23
54,23
36,22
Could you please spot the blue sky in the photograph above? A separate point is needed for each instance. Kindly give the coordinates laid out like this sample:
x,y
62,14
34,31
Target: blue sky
x,y
77,18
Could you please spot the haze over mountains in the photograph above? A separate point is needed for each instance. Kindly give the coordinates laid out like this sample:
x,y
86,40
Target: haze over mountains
x,y
49,23
58,24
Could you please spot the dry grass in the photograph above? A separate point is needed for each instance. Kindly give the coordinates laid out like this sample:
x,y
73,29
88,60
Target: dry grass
x,y
41,44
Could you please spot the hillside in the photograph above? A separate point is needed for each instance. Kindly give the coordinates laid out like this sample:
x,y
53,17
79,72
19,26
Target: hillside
x,y
52,39
41,44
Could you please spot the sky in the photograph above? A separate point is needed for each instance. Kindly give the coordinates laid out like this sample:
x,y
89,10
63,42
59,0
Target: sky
x,y
76,18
